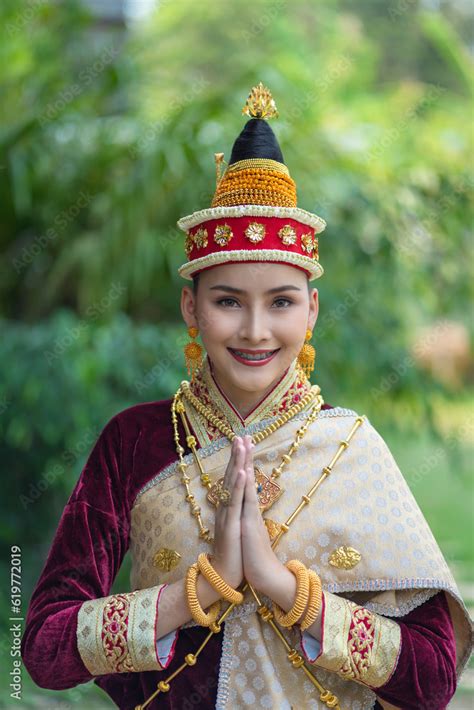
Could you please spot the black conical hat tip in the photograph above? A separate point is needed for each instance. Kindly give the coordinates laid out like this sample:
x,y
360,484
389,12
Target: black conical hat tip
x,y
256,140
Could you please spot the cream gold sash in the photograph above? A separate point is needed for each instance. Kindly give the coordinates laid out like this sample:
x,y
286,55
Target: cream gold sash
x,y
365,504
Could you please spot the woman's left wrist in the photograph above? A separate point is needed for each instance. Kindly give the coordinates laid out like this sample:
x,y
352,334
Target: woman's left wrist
x,y
279,585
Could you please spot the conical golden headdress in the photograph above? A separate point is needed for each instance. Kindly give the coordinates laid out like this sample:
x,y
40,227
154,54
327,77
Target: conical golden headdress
x,y
253,214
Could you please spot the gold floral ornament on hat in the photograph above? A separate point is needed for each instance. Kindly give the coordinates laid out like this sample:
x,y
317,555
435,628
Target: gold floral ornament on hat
x,y
287,234
223,234
255,232
200,238
260,103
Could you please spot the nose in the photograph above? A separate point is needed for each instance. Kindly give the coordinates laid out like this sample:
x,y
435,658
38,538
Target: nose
x,y
254,327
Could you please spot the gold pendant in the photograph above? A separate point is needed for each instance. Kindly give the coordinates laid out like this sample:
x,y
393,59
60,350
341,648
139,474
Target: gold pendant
x,y
268,491
273,528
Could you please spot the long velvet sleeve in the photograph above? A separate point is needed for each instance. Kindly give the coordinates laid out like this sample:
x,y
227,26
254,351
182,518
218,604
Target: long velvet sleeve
x,y
74,630
425,676
87,550
409,663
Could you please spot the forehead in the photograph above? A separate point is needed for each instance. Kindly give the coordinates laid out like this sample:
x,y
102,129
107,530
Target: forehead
x,y
253,277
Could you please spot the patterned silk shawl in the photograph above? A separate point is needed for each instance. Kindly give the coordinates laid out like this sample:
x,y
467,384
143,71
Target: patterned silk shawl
x,y
365,503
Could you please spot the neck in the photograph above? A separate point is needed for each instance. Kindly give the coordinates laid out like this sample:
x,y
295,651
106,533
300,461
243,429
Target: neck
x,y
245,402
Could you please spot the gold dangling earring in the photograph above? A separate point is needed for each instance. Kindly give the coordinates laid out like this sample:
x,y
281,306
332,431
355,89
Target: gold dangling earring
x,y
193,352
307,355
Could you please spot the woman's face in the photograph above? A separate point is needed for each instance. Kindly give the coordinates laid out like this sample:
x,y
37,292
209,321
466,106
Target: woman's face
x,y
249,311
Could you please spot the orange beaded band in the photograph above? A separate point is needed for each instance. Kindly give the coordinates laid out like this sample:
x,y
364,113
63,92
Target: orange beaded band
x,y
315,599
215,580
197,612
302,594
269,198
250,185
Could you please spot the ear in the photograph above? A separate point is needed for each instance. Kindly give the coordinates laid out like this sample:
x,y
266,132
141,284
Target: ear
x,y
313,308
188,306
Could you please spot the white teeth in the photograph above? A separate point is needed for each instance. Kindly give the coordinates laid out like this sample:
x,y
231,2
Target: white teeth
x,y
259,356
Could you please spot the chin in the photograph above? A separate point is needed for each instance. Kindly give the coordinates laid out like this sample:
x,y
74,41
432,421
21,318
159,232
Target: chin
x,y
251,378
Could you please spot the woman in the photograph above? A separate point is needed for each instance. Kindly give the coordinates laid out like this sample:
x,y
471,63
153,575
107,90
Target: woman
x,y
247,496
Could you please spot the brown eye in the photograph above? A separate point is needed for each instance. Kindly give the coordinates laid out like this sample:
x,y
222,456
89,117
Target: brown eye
x,y
227,302
285,301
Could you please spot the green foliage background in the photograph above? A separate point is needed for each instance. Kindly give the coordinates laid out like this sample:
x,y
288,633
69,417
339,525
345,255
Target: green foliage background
x,y
108,135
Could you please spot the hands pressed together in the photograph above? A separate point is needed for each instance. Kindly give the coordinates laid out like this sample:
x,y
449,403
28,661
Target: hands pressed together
x,y
242,547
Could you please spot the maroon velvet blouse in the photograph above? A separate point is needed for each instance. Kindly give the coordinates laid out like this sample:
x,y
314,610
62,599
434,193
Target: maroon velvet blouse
x,y
87,551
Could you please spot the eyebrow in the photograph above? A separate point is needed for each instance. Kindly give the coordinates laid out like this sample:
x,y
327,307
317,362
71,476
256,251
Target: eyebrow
x,y
231,289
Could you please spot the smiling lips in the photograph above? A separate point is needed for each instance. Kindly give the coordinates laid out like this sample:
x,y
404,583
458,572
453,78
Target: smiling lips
x,y
254,358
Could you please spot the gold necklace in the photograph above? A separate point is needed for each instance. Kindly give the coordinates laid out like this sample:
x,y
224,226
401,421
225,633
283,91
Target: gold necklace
x,y
267,489
295,658
225,429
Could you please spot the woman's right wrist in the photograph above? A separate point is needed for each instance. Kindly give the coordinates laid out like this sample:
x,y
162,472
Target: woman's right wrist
x,y
207,595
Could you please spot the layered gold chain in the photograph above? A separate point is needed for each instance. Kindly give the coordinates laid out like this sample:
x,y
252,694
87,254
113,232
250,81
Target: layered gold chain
x,y
177,407
295,658
226,430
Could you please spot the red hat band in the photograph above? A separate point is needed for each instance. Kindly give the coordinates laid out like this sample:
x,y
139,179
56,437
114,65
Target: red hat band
x,y
251,238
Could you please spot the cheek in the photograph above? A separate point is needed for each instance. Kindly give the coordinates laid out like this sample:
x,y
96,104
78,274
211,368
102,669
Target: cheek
x,y
292,328
215,325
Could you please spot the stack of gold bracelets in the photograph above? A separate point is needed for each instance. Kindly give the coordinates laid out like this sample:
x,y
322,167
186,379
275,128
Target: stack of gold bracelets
x,y
308,598
308,595
204,566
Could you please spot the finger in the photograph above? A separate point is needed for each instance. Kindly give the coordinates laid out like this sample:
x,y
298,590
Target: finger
x,y
238,463
235,507
249,446
231,465
250,504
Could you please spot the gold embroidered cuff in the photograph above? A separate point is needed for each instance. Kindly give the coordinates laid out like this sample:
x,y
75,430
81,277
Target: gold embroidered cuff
x,y
117,634
356,643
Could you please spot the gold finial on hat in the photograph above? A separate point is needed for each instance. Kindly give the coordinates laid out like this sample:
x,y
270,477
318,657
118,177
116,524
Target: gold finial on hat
x,y
219,158
260,103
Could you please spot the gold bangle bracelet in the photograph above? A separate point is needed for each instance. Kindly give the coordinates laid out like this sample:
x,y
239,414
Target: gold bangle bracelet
x,y
315,600
302,593
197,612
215,580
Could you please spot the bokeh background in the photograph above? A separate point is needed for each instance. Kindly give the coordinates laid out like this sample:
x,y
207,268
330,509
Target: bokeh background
x,y
111,114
